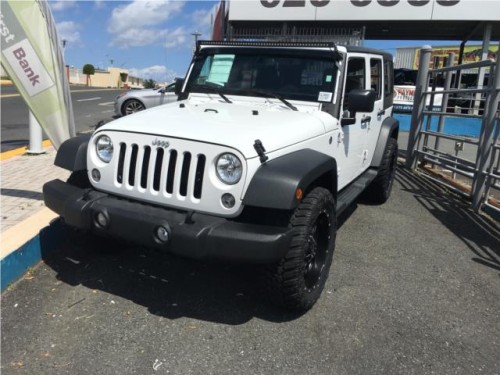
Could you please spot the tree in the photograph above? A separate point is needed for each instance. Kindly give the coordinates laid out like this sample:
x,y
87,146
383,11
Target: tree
x,y
88,70
149,83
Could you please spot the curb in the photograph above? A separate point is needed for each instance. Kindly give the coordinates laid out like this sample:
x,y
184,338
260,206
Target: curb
x,y
21,150
20,255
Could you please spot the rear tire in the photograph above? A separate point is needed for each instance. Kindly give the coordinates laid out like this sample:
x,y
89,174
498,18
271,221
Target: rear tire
x,y
380,189
297,281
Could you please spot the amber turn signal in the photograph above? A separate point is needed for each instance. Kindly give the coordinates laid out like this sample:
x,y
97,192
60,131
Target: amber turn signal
x,y
299,194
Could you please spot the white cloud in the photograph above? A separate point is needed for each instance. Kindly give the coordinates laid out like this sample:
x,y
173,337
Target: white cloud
x,y
176,37
138,37
139,23
159,73
99,4
68,30
56,6
202,20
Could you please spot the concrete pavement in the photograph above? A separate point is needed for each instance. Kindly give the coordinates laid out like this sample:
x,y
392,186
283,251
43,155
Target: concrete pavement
x,y
22,178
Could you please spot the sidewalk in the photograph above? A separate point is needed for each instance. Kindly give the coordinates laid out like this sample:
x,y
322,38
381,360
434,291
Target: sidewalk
x,y
22,179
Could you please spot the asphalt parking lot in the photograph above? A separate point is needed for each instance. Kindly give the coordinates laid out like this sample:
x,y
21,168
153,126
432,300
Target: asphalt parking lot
x,y
414,289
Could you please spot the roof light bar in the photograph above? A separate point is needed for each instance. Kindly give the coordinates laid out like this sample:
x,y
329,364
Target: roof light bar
x,y
245,43
265,44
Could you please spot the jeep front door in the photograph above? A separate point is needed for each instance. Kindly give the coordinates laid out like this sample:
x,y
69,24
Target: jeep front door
x,y
352,138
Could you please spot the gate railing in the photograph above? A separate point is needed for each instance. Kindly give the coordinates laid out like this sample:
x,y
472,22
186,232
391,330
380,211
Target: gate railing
x,y
484,170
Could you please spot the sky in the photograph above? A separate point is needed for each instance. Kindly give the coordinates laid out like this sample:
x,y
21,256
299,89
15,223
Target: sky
x,y
152,39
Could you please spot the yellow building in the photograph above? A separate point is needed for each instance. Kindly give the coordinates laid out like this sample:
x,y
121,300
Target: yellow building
x,y
112,77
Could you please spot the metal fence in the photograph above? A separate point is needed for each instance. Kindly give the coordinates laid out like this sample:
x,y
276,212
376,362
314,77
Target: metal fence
x,y
294,33
425,143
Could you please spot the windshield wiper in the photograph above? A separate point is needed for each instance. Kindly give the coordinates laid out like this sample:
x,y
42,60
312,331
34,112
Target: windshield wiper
x,y
268,94
210,87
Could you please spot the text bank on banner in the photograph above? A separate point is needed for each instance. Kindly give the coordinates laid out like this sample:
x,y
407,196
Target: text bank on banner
x,y
31,55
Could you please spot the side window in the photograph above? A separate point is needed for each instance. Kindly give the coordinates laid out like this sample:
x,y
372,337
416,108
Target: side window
x,y
355,76
388,81
376,76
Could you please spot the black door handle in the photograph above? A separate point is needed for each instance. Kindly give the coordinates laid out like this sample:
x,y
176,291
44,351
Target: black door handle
x,y
366,119
381,113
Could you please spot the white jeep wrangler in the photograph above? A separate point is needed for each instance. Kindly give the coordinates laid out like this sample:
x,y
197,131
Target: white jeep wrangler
x,y
266,146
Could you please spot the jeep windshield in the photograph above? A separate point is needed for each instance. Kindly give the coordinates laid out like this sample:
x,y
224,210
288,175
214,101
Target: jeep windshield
x,y
272,73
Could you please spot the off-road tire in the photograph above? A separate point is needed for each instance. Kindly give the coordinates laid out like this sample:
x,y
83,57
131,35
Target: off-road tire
x,y
132,106
297,281
380,189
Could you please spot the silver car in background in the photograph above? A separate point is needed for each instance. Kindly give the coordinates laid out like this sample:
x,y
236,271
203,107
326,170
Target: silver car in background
x,y
137,100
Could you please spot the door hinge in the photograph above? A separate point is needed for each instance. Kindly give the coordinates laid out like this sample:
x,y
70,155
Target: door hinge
x,y
340,138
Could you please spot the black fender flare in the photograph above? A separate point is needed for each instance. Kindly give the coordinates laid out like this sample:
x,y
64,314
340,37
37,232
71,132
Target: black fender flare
x,y
72,154
275,182
389,129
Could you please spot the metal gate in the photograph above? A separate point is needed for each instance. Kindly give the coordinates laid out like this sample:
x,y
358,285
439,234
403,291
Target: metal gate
x,y
480,172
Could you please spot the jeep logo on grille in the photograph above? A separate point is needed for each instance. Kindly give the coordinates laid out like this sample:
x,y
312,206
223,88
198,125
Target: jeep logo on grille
x,y
159,143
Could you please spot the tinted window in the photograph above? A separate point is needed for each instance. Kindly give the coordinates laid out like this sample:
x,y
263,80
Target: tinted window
x,y
376,76
355,76
388,78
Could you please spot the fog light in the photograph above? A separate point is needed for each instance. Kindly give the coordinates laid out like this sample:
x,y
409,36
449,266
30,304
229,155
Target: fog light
x,y
162,234
101,220
96,175
228,200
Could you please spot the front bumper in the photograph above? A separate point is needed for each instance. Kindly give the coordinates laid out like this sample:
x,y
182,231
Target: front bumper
x,y
192,235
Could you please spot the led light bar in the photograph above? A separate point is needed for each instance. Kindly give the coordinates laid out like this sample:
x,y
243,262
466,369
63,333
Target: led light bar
x,y
245,43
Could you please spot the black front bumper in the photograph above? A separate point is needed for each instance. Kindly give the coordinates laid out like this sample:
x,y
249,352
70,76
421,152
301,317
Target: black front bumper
x,y
192,235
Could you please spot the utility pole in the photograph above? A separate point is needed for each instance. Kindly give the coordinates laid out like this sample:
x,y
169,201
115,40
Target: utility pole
x,y
196,34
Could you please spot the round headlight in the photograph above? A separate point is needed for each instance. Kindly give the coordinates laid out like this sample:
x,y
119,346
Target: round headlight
x,y
229,168
104,148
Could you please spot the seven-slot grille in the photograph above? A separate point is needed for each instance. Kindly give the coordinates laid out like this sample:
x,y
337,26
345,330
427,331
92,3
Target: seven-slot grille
x,y
155,169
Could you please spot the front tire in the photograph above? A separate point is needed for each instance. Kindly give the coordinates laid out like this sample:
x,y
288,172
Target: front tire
x,y
132,106
297,281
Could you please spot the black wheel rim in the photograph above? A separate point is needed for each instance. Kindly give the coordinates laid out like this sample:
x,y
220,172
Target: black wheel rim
x,y
317,249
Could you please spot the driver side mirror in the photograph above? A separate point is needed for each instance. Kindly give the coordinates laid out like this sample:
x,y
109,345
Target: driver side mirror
x,y
359,101
179,83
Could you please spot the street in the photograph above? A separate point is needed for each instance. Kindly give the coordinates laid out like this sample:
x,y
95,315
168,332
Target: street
x,y
90,105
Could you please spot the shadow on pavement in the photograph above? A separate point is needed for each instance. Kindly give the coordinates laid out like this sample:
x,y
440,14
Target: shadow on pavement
x,y
36,195
481,235
166,285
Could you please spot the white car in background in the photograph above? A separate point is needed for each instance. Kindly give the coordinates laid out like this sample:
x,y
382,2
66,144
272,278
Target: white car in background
x,y
137,100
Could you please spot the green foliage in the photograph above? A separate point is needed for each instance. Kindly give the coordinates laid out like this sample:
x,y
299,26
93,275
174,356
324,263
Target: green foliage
x,y
149,83
88,69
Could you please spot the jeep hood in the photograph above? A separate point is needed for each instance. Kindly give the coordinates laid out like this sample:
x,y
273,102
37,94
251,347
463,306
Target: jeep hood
x,y
229,124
